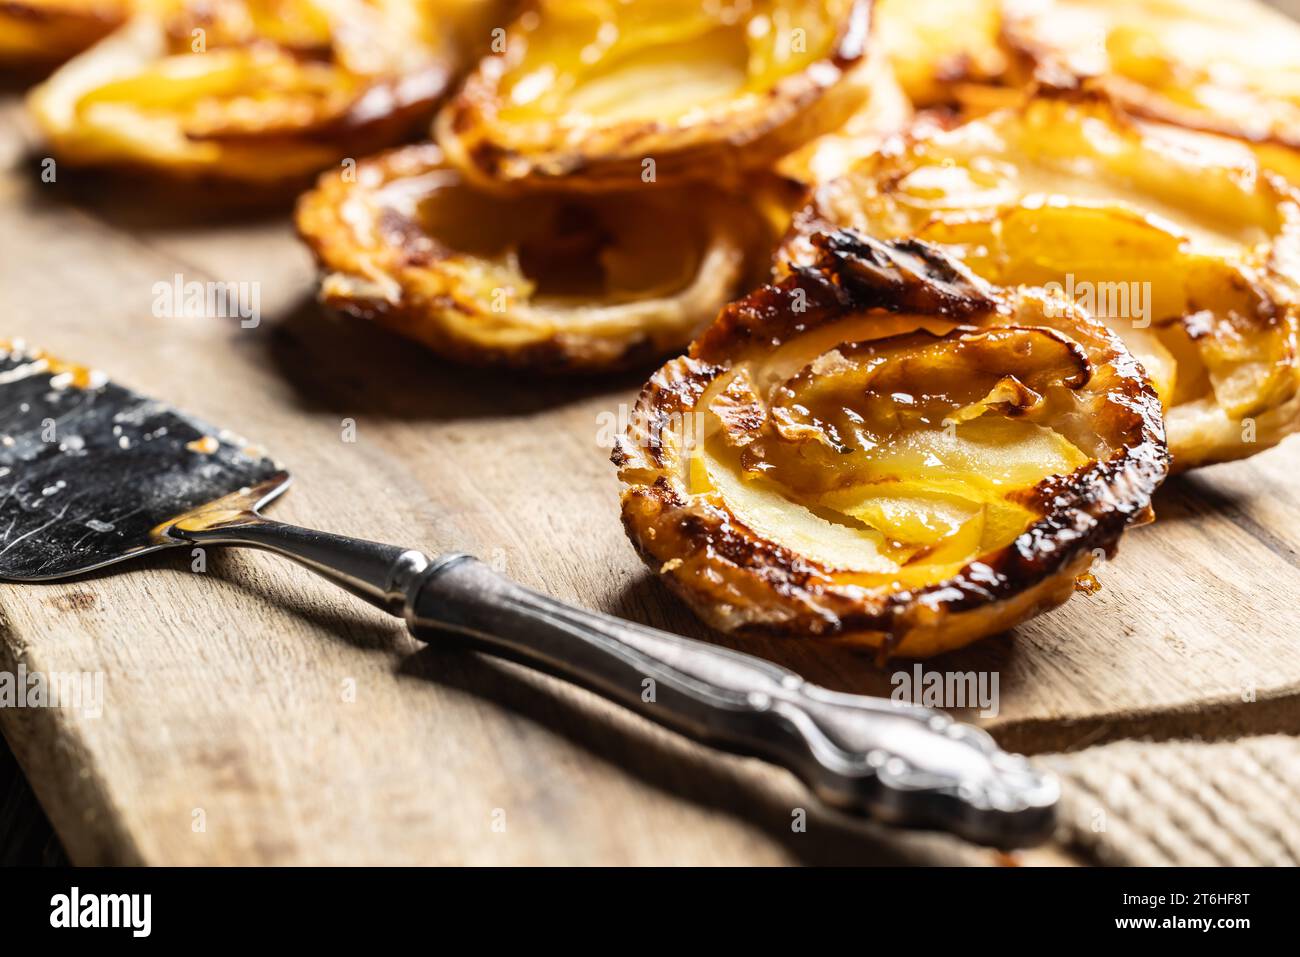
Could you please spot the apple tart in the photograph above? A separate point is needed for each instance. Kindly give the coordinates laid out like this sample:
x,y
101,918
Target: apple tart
x,y
256,91
599,94
885,450
45,32
561,282
1222,66
1180,241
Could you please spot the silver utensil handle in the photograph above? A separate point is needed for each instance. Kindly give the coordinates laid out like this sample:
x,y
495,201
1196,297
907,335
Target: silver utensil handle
x,y
898,763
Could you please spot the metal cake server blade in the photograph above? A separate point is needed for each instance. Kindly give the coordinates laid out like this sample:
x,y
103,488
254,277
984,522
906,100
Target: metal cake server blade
x,y
92,473
89,470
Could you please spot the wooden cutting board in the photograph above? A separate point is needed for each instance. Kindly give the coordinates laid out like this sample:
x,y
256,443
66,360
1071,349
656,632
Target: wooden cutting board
x,y
254,714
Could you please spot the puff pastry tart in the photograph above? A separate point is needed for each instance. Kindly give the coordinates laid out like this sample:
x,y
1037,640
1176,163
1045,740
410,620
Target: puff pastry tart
x,y
1222,66
597,94
885,450
45,32
562,282
1180,241
255,91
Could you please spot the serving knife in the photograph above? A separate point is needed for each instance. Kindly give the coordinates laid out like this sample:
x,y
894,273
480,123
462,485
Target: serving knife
x,y
93,473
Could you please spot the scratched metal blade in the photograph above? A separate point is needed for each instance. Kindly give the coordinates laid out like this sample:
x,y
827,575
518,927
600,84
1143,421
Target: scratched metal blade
x,y
88,469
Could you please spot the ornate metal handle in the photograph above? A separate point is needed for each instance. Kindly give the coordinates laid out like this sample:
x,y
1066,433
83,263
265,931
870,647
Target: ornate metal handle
x,y
904,765
901,764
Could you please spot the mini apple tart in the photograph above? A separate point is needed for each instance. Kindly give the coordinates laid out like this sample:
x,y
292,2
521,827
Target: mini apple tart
x,y
600,94
258,91
885,450
1180,241
45,32
556,281
1221,66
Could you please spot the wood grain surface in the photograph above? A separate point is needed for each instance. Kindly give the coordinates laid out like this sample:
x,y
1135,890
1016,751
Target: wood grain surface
x,y
296,725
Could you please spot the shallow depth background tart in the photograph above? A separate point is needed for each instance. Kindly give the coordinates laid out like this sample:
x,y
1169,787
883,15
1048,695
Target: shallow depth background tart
x,y
884,450
585,93
1230,67
553,281
41,33
1182,242
257,91
1221,66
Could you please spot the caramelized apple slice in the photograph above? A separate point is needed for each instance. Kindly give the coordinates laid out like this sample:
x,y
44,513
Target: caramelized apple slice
x,y
1179,241
597,95
562,282
884,449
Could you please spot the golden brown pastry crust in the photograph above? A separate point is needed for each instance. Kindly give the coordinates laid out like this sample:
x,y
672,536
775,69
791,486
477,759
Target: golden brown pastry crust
x,y
1068,189
575,151
742,581
470,296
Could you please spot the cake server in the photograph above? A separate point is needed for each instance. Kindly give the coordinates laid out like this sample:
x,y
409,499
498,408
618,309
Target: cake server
x,y
92,474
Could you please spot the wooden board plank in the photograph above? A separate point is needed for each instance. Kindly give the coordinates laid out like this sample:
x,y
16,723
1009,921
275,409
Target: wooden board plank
x,y
225,691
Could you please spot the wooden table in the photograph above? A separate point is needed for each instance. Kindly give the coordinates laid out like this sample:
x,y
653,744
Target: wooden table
x,y
256,715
